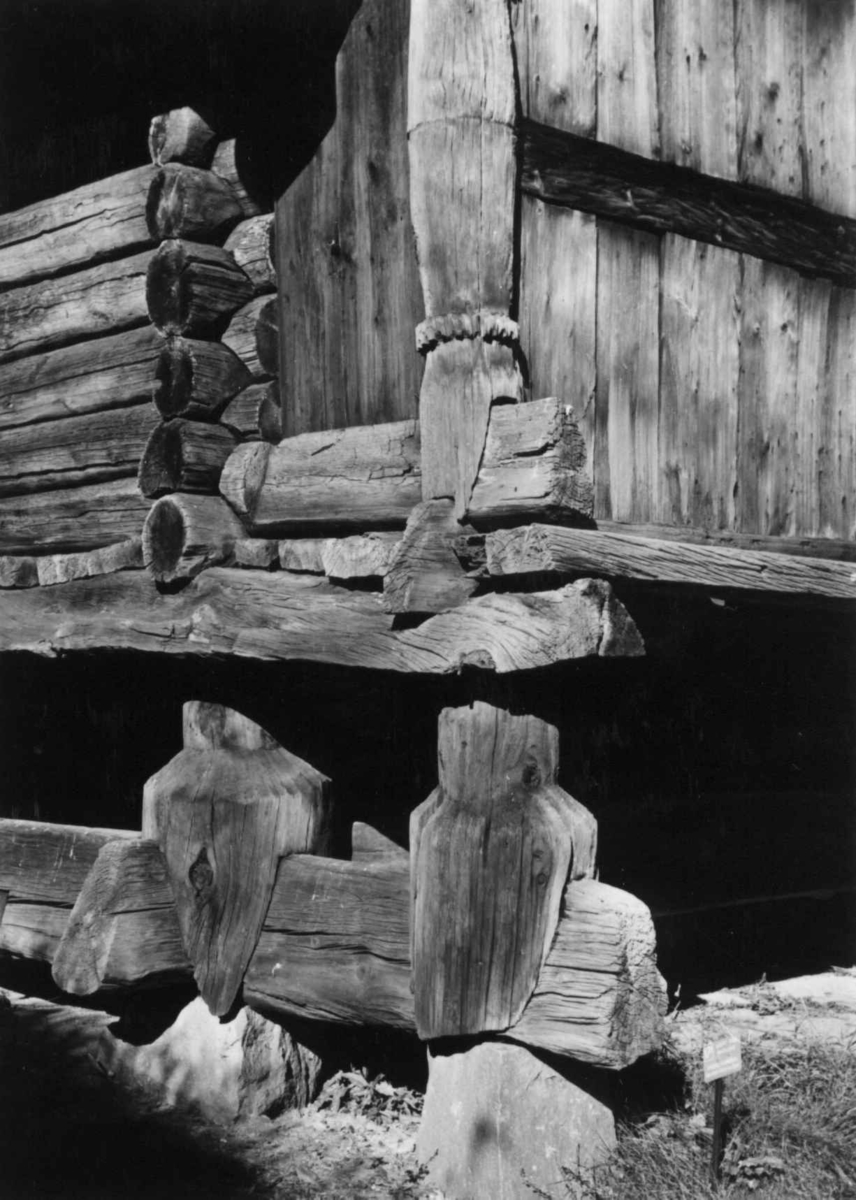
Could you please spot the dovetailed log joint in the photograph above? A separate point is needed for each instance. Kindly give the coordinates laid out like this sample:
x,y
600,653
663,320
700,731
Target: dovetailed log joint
x,y
492,850
546,548
224,811
578,172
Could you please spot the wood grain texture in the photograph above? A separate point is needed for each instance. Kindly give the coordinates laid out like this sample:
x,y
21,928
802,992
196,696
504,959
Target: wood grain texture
x,y
195,379
18,571
251,246
91,303
555,44
110,372
123,929
628,374
349,289
101,220
336,947
48,864
85,564
192,289
70,519
627,101
564,169
184,534
247,336
538,548
700,302
491,852
184,456
225,163
366,477
224,815
462,380
283,616
599,997
181,135
425,574
188,202
697,87
360,556
829,101
255,414
534,461
558,309
86,450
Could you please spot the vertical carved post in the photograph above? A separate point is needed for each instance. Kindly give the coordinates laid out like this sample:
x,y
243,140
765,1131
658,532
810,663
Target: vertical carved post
x,y
224,812
491,851
460,121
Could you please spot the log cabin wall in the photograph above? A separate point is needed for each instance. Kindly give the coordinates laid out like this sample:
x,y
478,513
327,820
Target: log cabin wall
x,y
715,388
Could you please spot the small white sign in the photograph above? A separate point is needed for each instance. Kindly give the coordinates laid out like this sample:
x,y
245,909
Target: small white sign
x,y
721,1058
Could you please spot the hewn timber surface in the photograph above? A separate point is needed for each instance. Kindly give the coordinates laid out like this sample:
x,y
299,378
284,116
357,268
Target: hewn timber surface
x,y
349,289
90,303
537,548
123,928
562,168
281,617
109,372
224,811
101,220
70,519
491,852
85,450
369,476
335,946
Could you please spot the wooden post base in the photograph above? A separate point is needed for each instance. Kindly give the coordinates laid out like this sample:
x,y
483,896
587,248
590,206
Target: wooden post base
x,y
499,1123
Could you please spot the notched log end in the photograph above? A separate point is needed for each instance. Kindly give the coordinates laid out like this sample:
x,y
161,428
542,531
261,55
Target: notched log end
x,y
620,637
166,289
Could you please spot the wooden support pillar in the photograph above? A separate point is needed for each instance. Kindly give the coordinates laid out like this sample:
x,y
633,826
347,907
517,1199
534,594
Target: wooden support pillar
x,y
224,812
460,122
491,852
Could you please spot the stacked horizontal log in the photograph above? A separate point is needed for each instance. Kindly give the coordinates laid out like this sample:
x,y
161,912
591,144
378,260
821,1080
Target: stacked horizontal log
x,y
110,297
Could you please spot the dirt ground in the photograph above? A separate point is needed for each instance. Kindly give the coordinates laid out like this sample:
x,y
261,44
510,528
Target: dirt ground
x,y
68,1131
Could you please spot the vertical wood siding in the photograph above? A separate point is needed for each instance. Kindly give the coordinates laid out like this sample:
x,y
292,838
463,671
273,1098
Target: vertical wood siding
x,y
716,391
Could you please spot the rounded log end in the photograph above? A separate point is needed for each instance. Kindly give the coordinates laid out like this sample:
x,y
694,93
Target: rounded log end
x,y
166,289
186,202
164,540
213,727
181,135
160,464
173,379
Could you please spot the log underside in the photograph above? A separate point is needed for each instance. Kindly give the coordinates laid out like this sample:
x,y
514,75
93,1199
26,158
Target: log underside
x,y
287,617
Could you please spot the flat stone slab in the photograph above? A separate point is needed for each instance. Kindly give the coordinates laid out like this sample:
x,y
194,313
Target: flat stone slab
x,y
498,1119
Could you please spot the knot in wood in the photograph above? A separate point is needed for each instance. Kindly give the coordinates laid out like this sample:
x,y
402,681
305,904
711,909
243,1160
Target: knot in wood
x,y
531,776
201,874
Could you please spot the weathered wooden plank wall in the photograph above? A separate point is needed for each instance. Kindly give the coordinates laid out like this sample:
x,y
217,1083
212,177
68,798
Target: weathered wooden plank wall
x,y
350,296
715,391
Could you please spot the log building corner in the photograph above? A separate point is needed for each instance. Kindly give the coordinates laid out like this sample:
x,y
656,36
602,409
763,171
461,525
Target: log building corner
x,y
428,518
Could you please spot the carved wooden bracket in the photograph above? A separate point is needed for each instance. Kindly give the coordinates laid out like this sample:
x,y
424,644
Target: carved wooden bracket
x,y
224,811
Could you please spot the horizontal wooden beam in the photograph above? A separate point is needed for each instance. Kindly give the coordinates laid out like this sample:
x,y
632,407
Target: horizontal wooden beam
x,y
286,617
578,172
335,942
73,518
370,476
546,548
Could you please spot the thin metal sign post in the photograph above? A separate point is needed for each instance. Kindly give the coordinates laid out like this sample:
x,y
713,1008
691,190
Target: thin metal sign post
x,y
719,1060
